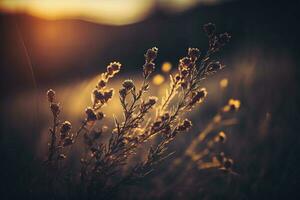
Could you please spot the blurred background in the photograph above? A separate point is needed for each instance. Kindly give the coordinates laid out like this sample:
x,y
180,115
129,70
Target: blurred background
x,y
65,45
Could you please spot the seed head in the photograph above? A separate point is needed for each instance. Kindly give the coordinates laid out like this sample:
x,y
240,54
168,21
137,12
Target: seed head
x,y
201,94
128,85
51,95
116,66
65,128
113,68
108,95
209,29
151,54
224,38
198,97
148,68
193,53
145,106
186,61
98,96
110,71
101,83
228,163
152,100
90,114
184,72
185,125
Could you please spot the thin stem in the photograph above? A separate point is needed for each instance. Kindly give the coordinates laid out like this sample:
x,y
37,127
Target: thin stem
x,y
169,97
53,139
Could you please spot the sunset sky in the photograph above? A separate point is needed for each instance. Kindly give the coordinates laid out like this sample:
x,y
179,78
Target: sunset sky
x,y
116,12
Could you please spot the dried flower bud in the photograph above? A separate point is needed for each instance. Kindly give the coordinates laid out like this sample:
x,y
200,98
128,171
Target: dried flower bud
x,y
51,95
110,71
128,85
108,95
100,115
55,108
228,163
151,54
186,61
214,66
90,114
65,128
201,94
148,68
123,92
193,53
152,100
101,83
184,72
116,66
98,96
148,104
223,38
209,29
186,124
113,68
198,97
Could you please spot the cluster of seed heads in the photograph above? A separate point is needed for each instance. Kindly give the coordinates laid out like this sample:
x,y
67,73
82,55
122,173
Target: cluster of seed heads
x,y
101,164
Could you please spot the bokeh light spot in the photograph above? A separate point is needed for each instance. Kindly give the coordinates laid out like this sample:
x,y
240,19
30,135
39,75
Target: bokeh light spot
x,y
166,67
158,79
224,83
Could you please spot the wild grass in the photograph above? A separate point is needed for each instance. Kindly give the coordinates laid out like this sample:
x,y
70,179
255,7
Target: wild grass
x,y
105,165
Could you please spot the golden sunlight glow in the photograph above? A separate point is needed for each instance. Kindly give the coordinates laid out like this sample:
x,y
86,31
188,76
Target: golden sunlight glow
x,y
182,5
116,12
158,79
166,67
224,83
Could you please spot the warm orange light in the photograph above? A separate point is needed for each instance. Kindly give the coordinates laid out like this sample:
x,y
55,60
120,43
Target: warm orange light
x,y
224,83
116,12
166,67
158,79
